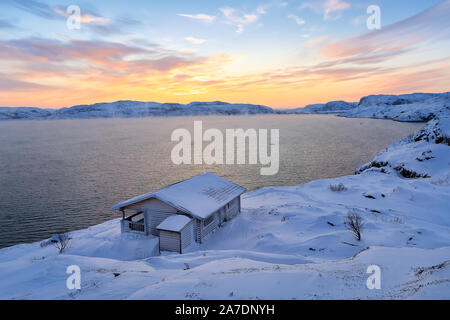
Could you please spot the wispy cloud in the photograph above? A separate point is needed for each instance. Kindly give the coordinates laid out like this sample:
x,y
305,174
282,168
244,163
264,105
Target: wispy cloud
x,y
238,18
80,55
47,11
57,67
425,27
85,17
195,40
262,9
36,8
318,42
6,25
359,20
8,83
89,19
297,19
199,16
333,8
330,9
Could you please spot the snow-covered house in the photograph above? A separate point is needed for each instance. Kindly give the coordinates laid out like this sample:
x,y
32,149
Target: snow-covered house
x,y
182,212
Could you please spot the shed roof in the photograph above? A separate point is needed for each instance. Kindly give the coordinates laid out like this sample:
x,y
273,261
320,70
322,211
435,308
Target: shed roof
x,y
174,222
198,196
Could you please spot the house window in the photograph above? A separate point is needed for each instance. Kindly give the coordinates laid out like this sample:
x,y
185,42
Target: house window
x,y
208,220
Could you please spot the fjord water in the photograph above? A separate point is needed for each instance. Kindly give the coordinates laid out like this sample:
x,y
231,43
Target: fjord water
x,y
61,175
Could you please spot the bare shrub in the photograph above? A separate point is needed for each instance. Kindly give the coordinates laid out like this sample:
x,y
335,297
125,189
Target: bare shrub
x,y
61,241
355,224
337,187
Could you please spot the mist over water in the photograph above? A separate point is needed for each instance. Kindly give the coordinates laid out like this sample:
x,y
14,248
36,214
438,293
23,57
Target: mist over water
x,y
66,174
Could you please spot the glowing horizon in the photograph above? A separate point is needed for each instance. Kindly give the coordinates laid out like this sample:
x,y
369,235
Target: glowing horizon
x,y
283,54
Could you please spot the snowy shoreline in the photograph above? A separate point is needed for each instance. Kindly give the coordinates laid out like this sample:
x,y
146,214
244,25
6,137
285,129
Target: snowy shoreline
x,y
288,243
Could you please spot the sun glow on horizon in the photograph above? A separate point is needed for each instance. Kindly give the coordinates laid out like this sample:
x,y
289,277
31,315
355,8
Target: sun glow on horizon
x,y
230,51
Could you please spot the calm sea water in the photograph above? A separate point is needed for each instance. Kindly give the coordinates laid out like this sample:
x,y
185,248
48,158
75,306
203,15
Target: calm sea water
x,y
66,174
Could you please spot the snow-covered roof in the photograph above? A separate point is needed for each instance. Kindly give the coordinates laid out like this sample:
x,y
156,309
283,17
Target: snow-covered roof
x,y
174,222
198,196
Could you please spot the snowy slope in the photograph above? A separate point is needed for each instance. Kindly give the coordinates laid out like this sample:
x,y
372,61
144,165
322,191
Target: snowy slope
x,y
288,242
423,154
407,107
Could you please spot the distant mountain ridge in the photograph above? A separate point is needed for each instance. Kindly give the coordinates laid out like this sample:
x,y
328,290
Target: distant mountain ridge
x,y
407,107
132,109
325,108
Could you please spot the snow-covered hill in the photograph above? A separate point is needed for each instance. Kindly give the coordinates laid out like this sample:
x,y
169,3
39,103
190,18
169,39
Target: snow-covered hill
x,y
406,107
24,113
132,109
330,107
288,242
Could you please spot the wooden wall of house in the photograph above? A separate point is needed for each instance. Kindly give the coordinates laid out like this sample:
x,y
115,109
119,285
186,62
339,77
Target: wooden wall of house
x,y
227,212
232,208
209,228
155,212
169,241
198,230
176,241
187,235
153,218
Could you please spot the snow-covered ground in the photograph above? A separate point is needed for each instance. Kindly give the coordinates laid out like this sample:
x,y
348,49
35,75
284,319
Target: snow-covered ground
x,y
288,242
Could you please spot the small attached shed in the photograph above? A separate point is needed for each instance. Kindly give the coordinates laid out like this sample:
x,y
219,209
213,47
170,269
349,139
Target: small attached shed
x,y
175,233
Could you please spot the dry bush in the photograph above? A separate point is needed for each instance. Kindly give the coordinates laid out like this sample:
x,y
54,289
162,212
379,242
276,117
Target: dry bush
x,y
355,224
61,241
337,187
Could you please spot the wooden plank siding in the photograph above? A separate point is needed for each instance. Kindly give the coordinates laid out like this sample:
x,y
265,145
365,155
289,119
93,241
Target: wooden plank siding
x,y
198,230
232,208
187,235
176,241
154,218
155,212
169,241
227,212
209,228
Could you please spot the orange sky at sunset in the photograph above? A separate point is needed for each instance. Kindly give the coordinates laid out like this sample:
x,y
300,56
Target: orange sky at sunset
x,y
249,64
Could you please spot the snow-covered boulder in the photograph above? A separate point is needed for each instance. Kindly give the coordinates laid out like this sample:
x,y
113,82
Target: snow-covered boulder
x,y
421,155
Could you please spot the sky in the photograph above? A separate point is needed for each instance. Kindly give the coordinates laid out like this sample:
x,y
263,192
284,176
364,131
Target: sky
x,y
279,53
